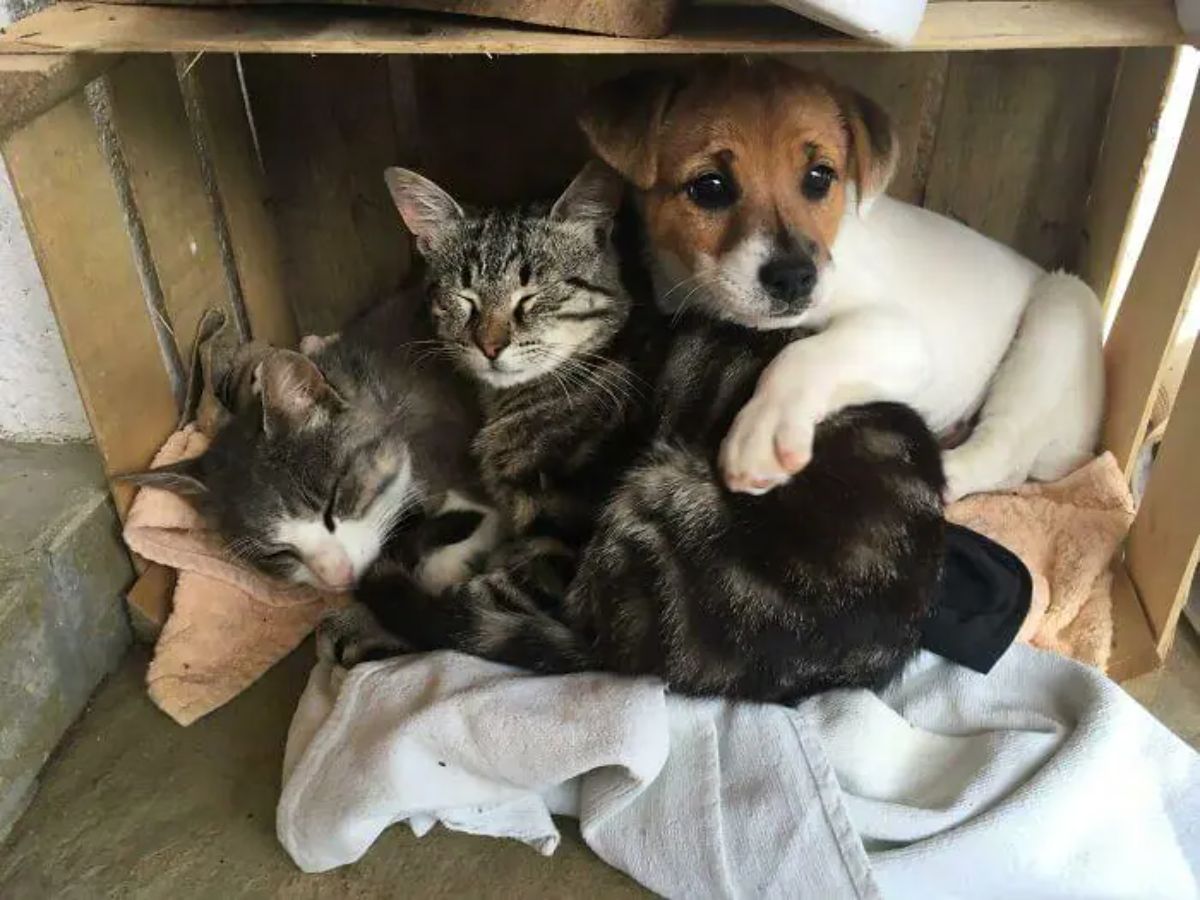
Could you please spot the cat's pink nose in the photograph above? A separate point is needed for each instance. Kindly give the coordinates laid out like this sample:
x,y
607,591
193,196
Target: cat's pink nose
x,y
492,348
337,573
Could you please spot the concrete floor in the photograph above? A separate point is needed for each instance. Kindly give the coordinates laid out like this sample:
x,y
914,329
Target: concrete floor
x,y
134,806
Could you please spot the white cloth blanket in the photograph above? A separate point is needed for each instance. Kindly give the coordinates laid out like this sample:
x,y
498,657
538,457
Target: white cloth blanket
x,y
1042,779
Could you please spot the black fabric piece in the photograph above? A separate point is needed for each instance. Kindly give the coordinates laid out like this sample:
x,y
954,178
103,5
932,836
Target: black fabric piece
x,y
983,599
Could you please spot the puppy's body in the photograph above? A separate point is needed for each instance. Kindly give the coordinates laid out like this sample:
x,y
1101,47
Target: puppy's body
x,y
925,311
759,186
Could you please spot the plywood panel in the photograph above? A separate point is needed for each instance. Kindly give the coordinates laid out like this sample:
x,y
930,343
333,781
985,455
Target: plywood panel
x,y
214,98
1137,104
169,192
1166,274
948,25
1016,146
76,226
325,126
1164,541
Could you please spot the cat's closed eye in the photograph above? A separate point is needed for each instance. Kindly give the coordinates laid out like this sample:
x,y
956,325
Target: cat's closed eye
x,y
281,554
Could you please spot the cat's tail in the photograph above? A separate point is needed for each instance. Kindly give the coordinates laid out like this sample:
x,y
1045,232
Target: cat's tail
x,y
512,614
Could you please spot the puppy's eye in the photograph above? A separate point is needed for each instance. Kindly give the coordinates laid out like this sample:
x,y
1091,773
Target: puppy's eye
x,y
817,182
712,191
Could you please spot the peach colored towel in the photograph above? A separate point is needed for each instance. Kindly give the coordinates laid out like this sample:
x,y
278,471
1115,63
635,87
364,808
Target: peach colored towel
x,y
229,624
1066,533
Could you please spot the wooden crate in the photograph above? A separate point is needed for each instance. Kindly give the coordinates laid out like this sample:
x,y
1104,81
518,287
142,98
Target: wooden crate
x,y
169,159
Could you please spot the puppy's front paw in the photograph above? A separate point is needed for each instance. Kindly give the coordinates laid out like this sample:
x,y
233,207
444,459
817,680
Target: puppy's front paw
x,y
770,441
352,635
979,466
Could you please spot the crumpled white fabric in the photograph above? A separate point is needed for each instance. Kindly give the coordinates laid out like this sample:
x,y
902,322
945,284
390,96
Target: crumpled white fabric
x,y
1042,779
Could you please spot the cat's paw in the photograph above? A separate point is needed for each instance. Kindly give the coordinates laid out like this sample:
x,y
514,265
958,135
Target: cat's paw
x,y
770,441
312,344
349,636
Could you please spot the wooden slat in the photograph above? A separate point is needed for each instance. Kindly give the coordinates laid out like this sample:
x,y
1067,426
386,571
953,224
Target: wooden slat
x,y
75,224
32,83
239,182
1165,276
169,192
1134,651
1016,146
149,601
1164,541
948,25
326,132
635,18
1137,105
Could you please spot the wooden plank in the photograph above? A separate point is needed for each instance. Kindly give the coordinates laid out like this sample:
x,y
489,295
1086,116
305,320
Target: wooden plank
x,y
1164,542
168,188
948,25
32,83
1016,146
1166,274
326,132
75,223
149,601
1137,104
631,18
214,97
1134,651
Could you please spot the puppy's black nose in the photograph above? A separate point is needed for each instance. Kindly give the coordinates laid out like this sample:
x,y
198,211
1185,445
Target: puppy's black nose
x,y
789,278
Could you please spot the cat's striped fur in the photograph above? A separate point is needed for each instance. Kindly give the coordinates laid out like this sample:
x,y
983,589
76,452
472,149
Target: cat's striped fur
x,y
820,583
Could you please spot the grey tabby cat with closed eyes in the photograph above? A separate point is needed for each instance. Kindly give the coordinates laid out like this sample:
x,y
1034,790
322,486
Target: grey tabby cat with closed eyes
x,y
822,583
327,461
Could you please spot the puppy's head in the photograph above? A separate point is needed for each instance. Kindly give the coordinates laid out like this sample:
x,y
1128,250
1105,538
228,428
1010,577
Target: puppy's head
x,y
745,172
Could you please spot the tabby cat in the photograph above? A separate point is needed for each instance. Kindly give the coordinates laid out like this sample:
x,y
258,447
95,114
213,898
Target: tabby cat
x,y
818,584
327,459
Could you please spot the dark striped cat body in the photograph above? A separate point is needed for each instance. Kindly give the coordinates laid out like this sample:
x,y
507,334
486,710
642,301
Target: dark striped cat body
x,y
818,584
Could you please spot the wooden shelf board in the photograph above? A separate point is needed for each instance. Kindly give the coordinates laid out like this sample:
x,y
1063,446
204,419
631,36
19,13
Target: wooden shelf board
x,y
948,25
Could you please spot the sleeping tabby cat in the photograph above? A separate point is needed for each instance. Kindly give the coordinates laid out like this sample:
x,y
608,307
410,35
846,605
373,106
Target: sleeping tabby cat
x,y
818,584
328,460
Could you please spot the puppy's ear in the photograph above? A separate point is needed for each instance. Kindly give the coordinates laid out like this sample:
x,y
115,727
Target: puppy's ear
x,y
622,119
185,478
874,147
294,392
426,209
591,199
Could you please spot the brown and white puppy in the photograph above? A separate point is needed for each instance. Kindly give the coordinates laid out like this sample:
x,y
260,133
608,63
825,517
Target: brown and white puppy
x,y
761,189
744,172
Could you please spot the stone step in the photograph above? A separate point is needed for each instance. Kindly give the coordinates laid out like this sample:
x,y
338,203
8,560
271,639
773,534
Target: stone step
x,y
63,573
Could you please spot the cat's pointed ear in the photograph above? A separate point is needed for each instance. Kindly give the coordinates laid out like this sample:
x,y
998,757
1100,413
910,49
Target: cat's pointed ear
x,y
426,209
185,478
592,198
295,393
